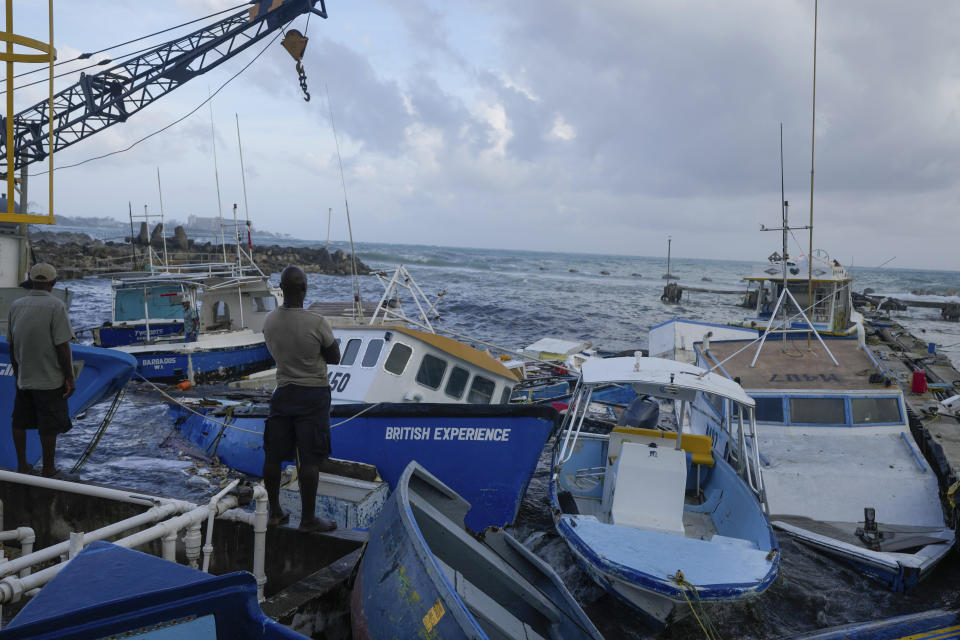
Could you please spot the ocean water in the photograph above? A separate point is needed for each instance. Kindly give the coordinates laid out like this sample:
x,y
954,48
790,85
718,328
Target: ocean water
x,y
510,299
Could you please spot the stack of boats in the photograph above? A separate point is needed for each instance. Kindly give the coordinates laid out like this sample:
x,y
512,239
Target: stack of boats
x,y
670,475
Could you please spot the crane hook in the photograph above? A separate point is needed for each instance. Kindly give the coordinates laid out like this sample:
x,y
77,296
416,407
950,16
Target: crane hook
x,y
296,43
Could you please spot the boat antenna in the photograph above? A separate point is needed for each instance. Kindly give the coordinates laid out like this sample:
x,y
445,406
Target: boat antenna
x,y
163,225
243,178
329,217
216,175
357,304
813,138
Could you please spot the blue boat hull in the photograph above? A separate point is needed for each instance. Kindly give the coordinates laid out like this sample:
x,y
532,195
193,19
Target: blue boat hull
x,y
486,453
102,374
421,573
206,365
938,624
110,591
117,336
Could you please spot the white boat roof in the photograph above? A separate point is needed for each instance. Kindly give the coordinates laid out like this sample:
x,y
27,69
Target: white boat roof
x,y
557,345
662,378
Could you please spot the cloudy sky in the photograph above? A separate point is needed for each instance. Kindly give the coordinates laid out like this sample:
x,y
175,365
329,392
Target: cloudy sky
x,y
598,127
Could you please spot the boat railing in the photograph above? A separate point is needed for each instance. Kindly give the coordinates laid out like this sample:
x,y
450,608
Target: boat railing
x,y
748,453
391,306
591,472
579,408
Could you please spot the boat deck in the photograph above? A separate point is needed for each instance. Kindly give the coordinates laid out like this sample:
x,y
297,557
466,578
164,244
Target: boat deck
x,y
797,367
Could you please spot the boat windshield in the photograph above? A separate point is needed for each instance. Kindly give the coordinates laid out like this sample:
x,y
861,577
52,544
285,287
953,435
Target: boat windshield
x,y
158,302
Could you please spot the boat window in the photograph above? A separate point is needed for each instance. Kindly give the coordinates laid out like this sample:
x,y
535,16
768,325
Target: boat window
x,y
350,353
264,303
221,314
481,391
457,382
817,411
431,371
505,396
398,358
372,354
871,410
716,401
769,409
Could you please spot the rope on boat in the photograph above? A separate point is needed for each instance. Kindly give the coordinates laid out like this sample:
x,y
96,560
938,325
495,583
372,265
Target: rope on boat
x,y
709,630
227,425
107,418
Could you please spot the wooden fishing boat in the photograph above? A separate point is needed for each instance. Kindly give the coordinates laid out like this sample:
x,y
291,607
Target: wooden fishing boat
x,y
486,453
424,574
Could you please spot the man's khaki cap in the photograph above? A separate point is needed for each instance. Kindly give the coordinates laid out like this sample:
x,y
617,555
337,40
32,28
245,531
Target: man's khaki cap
x,y
43,272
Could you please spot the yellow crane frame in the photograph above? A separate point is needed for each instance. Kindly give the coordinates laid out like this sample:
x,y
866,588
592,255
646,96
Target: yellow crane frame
x,y
47,54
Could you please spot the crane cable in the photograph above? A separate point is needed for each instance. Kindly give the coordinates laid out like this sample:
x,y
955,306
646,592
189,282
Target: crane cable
x,y
175,122
86,56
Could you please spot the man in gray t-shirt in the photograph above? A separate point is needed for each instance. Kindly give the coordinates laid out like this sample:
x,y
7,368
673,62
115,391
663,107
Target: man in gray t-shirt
x,y
302,343
39,334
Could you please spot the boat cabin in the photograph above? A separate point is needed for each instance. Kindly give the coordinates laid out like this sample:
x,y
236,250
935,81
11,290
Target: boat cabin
x,y
830,309
147,309
400,364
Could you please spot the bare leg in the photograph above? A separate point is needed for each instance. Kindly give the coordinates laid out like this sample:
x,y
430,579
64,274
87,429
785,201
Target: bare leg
x,y
49,446
20,444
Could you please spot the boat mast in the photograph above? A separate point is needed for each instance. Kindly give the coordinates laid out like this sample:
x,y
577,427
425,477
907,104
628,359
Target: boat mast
x,y
813,127
669,241
246,207
784,215
216,176
163,224
357,303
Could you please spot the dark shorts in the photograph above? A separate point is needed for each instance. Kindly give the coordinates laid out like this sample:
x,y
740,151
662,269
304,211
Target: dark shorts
x,y
299,422
44,410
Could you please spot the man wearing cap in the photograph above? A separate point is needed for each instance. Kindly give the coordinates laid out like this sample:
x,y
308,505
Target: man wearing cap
x,y
302,343
191,322
39,334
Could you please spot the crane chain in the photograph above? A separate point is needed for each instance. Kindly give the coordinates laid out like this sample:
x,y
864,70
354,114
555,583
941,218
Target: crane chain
x,y
303,81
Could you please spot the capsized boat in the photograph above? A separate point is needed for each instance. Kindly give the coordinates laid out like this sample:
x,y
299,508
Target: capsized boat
x,y
663,518
99,373
486,453
827,430
423,575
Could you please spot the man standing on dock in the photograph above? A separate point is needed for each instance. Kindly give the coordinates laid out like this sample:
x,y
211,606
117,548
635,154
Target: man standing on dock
x,y
191,321
39,334
302,344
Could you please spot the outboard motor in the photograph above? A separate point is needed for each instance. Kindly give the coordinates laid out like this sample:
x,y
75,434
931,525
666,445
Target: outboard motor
x,y
642,412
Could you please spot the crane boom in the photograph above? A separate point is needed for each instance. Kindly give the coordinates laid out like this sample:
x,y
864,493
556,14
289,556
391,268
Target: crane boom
x,y
100,100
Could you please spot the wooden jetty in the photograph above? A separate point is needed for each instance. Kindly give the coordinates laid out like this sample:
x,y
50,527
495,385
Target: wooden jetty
x,y
869,302
927,379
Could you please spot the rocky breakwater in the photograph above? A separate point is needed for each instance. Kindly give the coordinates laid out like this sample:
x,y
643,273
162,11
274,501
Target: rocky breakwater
x,y
76,255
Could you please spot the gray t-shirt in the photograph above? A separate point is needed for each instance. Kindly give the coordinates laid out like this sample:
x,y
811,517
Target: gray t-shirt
x,y
38,322
294,338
